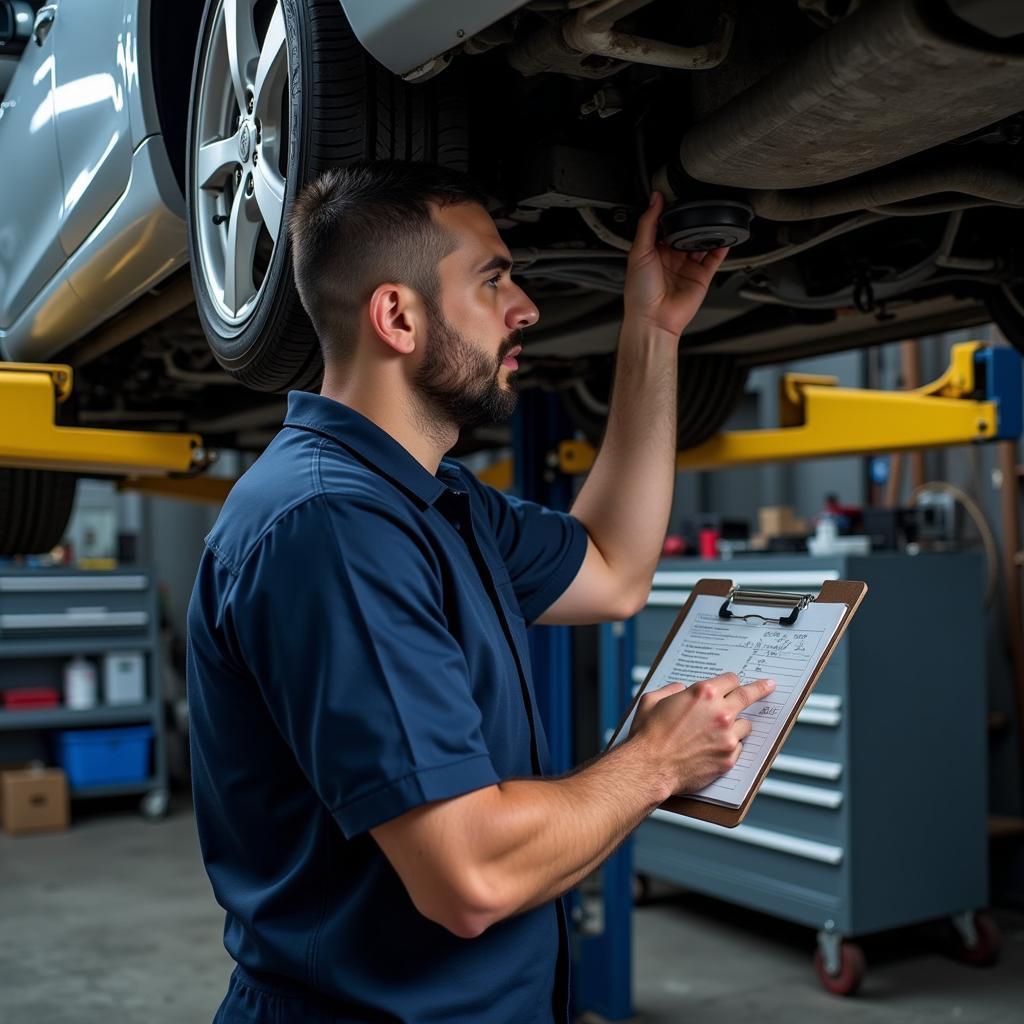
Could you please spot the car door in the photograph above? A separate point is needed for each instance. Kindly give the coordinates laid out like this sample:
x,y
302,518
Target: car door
x,y
92,48
32,188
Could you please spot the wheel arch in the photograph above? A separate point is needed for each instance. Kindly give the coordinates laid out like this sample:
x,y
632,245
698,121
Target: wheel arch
x,y
174,32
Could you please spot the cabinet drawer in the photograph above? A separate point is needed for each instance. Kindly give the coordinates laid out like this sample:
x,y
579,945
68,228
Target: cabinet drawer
x,y
810,810
819,732
752,865
82,605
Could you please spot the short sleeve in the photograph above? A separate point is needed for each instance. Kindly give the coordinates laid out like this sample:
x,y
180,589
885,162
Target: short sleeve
x,y
542,549
338,615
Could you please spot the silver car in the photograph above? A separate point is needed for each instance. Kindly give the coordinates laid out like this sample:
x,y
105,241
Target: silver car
x,y
861,156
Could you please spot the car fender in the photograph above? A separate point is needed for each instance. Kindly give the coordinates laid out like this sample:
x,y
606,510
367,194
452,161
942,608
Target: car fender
x,y
405,34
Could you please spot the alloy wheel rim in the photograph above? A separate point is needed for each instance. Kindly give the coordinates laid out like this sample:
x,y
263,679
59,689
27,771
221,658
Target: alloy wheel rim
x,y
239,163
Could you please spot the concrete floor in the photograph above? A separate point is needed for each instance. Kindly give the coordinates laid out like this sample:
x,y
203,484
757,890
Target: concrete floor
x,y
114,921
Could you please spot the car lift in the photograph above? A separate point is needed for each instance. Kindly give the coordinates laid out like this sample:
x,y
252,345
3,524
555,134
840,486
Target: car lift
x,y
978,399
31,438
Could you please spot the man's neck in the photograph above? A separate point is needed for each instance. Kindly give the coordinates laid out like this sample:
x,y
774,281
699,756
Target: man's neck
x,y
422,437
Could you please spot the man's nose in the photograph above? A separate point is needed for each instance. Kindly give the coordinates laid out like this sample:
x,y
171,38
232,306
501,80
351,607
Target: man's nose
x,y
522,313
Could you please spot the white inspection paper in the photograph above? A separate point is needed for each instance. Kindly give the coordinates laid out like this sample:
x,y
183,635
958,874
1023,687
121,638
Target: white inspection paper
x,y
706,646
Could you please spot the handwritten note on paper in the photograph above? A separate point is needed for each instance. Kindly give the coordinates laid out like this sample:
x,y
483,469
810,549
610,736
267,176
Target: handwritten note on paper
x,y
706,646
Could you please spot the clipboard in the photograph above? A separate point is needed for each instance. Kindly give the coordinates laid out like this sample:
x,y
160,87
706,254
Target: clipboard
x,y
847,592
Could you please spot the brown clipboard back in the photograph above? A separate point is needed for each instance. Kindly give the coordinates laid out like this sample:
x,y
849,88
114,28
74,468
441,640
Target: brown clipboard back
x,y
848,592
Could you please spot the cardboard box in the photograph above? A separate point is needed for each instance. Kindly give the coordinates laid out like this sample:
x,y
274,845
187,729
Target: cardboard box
x,y
780,521
34,800
14,766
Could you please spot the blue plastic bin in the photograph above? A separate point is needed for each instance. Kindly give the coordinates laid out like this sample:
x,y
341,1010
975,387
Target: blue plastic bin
x,y
103,757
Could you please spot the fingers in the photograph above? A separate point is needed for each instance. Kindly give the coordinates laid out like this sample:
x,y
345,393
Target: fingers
x,y
647,226
752,692
652,697
713,260
743,729
719,686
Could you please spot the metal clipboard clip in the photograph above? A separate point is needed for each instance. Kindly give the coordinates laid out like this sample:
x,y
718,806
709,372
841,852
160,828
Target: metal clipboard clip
x,y
772,598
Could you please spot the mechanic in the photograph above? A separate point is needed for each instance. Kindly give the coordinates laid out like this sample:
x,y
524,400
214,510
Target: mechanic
x,y
368,759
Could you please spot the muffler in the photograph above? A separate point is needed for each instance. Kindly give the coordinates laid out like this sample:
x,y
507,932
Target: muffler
x,y
882,85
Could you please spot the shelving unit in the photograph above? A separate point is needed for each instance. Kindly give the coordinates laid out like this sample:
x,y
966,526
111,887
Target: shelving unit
x,y
47,616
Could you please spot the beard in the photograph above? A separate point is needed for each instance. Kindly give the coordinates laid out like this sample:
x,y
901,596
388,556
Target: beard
x,y
459,384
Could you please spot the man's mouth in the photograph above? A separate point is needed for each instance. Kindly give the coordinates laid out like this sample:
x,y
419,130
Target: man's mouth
x,y
510,360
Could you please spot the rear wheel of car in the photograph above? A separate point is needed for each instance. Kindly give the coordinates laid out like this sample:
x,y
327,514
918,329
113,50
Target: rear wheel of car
x,y
1006,304
281,91
709,389
35,506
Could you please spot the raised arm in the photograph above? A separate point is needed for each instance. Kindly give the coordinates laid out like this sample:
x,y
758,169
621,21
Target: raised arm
x,y
627,497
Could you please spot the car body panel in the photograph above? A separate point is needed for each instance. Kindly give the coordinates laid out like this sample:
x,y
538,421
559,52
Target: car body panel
x,y
30,201
140,95
405,34
118,227
138,243
93,130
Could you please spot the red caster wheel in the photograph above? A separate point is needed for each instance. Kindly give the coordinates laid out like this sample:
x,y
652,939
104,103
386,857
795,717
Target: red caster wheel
x,y
848,972
978,940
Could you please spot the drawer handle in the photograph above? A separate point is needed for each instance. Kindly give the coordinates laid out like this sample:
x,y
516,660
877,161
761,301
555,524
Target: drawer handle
x,y
828,701
74,619
818,716
809,849
809,766
64,584
801,794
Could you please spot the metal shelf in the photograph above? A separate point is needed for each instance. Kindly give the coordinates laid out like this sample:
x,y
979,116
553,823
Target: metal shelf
x,y
117,788
65,647
64,718
53,620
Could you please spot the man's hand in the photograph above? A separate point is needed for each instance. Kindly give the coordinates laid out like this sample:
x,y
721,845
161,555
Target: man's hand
x,y
693,733
664,286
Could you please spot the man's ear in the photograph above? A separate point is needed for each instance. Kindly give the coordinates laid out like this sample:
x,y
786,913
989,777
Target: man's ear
x,y
396,317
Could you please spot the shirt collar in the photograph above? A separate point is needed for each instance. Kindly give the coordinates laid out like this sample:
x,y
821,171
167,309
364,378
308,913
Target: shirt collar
x,y
364,439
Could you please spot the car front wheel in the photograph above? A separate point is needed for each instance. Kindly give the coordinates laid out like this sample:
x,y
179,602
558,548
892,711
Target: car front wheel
x,y
281,91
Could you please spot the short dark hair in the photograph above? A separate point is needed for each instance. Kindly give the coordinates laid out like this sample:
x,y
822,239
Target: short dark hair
x,y
355,227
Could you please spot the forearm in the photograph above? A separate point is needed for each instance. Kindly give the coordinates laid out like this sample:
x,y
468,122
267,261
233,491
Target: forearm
x,y
546,835
627,497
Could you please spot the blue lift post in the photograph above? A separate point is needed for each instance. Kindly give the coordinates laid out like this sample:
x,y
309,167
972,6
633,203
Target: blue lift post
x,y
602,946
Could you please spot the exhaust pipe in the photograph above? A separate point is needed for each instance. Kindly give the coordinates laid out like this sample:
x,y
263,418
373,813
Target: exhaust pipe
x,y
882,85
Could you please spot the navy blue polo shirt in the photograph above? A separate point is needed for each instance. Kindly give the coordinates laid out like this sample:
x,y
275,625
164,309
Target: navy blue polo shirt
x,y
357,647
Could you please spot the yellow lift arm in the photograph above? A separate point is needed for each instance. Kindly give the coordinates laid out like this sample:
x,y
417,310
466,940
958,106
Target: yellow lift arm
x,y
30,437
976,399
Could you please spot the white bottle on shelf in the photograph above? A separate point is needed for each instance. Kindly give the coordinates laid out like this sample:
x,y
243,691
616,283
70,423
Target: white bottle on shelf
x,y
80,684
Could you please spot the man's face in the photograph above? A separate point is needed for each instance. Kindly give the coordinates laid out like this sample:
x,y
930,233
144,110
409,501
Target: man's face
x,y
467,373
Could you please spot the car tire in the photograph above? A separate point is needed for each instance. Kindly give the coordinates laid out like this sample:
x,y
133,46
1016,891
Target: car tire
x,y
1006,306
35,506
337,106
710,387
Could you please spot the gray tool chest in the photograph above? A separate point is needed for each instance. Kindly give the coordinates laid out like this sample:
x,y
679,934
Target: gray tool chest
x,y
874,814
47,617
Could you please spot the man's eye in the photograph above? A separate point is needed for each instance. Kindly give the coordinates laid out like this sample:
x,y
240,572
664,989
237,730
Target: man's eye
x,y
494,281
